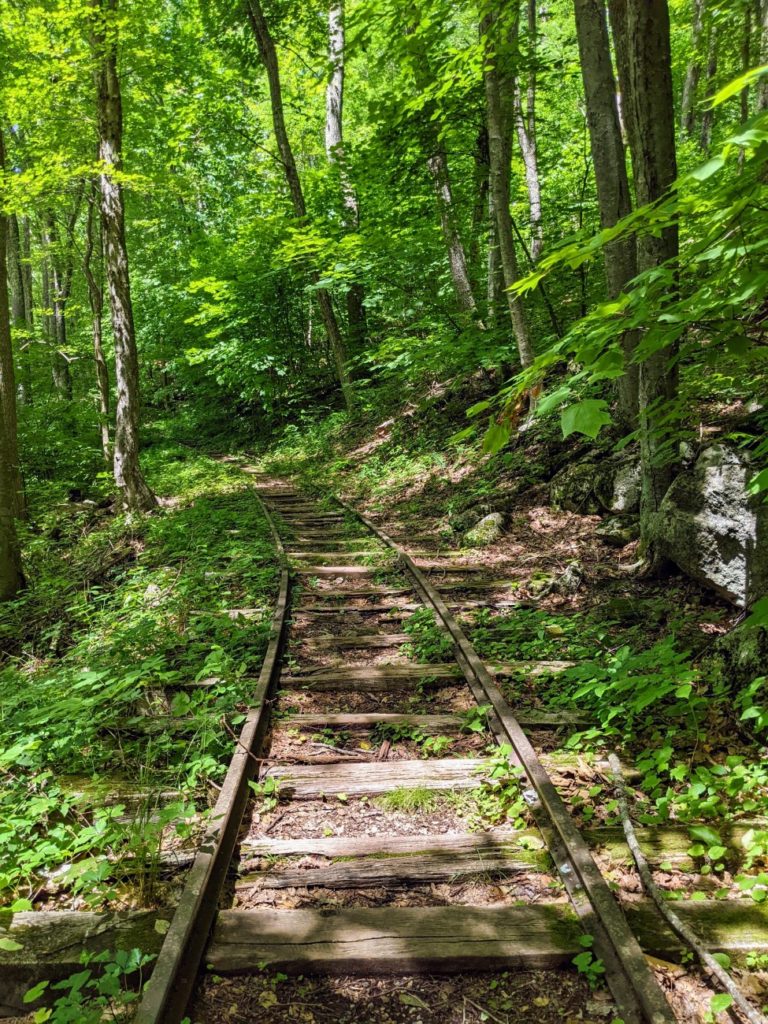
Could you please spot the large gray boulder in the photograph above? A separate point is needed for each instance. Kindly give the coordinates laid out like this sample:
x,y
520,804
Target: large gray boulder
x,y
711,528
611,484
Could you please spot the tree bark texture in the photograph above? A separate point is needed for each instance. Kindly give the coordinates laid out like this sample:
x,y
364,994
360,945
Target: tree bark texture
x,y
437,164
762,85
96,300
268,54
10,447
334,148
21,311
129,478
646,82
708,114
525,119
613,195
499,95
58,296
693,73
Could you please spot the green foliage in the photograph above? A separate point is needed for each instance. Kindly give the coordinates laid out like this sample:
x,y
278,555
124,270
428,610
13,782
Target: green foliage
x,y
428,642
499,797
121,610
101,988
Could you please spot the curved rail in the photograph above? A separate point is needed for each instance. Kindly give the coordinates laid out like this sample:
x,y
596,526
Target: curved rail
x,y
635,989
167,993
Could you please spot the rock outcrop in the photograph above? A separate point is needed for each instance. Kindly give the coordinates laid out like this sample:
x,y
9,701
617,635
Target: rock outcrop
x,y
713,529
611,484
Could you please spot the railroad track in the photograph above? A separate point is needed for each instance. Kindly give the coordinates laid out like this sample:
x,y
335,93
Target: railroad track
x,y
331,738
339,545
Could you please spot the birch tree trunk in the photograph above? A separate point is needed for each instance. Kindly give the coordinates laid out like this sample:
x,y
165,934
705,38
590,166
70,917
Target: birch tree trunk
x,y
499,95
134,491
21,312
525,119
11,470
613,195
762,85
334,148
646,83
268,53
96,301
58,295
693,74
708,115
437,164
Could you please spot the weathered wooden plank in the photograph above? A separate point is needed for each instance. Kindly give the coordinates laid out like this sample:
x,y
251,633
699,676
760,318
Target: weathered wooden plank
x,y
335,593
335,570
445,939
454,843
426,723
395,872
307,782
366,672
333,556
357,640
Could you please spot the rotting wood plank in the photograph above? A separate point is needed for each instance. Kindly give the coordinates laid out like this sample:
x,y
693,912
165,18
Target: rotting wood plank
x,y
333,593
335,570
395,872
357,640
458,843
307,782
362,940
365,673
426,723
446,939
332,556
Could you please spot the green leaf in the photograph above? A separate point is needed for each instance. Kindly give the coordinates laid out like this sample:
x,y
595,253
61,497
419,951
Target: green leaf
x,y
587,417
496,437
734,88
720,1002
34,993
716,852
708,169
705,835
723,959
9,946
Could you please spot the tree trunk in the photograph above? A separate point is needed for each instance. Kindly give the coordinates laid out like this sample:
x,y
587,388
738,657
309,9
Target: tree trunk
x,y
762,85
334,148
499,94
525,118
708,116
457,258
11,575
646,83
21,313
268,53
693,74
11,471
611,179
134,491
58,294
96,301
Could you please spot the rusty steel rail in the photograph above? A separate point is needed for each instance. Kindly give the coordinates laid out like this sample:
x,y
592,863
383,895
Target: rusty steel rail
x,y
637,993
174,973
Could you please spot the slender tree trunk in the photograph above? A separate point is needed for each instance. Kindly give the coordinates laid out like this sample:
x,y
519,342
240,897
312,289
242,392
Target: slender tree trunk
x,y
762,85
646,83
609,162
708,115
495,274
499,95
525,119
9,453
268,53
457,258
62,378
693,74
21,313
129,478
334,148
96,300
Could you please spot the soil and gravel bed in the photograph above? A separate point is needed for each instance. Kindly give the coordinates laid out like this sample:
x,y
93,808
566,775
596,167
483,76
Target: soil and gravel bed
x,y
308,743
443,699
303,819
505,998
